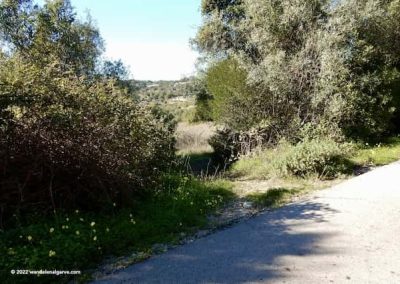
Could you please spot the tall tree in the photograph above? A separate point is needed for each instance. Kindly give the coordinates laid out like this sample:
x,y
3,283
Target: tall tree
x,y
54,30
318,62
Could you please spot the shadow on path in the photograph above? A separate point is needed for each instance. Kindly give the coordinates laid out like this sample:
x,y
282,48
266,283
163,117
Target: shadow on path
x,y
248,252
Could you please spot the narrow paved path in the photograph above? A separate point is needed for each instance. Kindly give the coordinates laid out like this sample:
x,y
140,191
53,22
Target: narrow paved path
x,y
346,234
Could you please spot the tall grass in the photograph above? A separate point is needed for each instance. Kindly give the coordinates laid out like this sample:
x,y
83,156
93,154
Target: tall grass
x,y
193,138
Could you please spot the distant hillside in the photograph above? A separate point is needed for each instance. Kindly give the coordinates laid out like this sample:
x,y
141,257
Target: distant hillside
x,y
150,91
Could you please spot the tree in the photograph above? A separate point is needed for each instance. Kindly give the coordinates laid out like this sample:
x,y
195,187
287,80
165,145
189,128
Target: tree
x,y
32,31
218,32
231,96
311,62
115,70
197,88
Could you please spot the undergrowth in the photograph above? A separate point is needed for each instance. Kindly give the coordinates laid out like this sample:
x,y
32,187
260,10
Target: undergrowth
x,y
378,154
323,158
78,241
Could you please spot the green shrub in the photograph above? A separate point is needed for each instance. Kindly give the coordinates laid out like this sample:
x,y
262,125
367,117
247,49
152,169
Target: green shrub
x,y
321,157
224,146
230,145
68,141
232,100
203,110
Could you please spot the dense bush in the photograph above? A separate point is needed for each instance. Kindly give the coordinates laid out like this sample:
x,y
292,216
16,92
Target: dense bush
x,y
289,63
71,136
320,157
224,145
323,158
229,145
67,141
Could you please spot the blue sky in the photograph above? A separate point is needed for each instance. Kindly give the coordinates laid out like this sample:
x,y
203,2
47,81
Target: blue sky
x,y
150,36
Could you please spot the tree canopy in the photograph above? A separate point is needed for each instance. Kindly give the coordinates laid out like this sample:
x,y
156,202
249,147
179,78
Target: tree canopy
x,y
310,62
50,34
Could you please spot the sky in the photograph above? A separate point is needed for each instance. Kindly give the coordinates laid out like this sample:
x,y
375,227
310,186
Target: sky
x,y
150,36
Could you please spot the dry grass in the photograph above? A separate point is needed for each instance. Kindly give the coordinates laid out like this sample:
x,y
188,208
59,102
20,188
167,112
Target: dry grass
x,y
193,138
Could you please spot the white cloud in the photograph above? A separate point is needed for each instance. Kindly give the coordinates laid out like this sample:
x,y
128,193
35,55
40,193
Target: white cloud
x,y
154,61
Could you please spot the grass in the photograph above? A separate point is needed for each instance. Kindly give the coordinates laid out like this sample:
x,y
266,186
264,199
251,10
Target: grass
x,y
193,138
257,178
254,166
265,164
274,197
377,155
81,240
309,159
78,241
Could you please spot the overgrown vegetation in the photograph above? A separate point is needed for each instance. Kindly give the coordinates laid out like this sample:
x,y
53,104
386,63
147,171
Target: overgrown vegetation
x,y
379,154
87,168
282,66
78,240
69,137
315,159
300,91
318,158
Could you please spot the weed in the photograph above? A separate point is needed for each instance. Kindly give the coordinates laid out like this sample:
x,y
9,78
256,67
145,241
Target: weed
x,y
379,154
78,241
